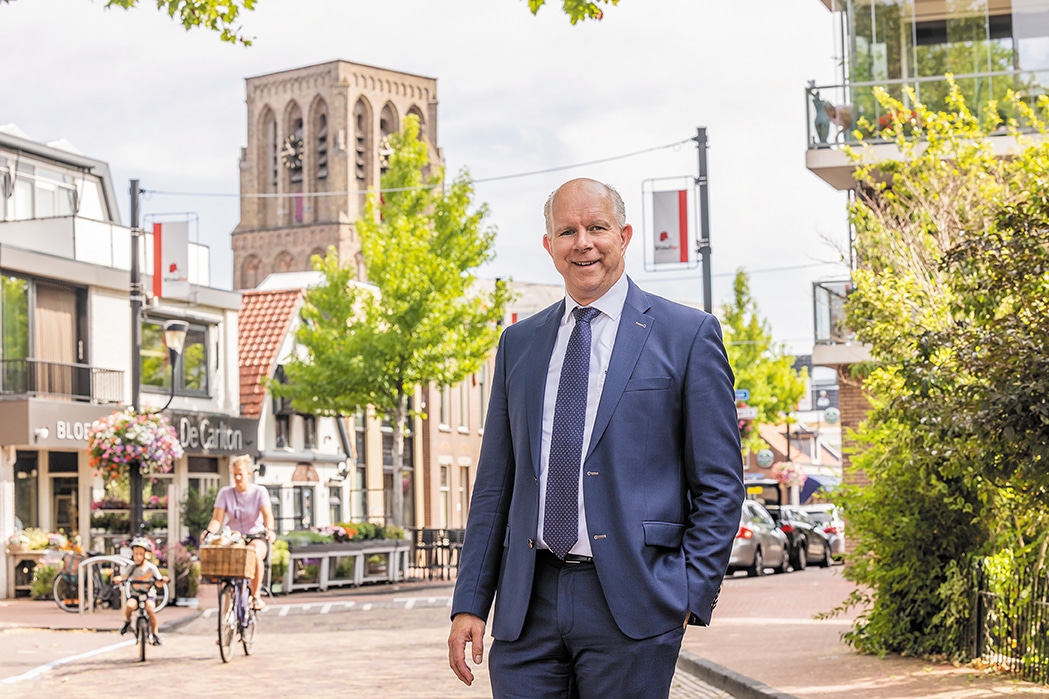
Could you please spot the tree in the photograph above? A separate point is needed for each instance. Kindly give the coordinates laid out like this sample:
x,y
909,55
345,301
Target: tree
x,y
951,299
759,366
420,319
576,10
221,15
217,15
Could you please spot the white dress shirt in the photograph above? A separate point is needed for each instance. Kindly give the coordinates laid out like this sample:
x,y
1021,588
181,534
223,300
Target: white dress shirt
x,y
603,338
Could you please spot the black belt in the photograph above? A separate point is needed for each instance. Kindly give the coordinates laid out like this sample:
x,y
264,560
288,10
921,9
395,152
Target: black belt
x,y
570,558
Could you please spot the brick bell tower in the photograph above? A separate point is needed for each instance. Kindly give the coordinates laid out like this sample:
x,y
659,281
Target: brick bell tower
x,y
316,144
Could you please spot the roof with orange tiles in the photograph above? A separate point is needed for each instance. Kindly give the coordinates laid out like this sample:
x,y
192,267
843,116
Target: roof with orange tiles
x,y
263,322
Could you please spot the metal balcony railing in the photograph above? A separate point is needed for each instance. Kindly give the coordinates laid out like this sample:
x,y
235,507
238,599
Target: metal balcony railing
x,y
78,382
834,112
828,307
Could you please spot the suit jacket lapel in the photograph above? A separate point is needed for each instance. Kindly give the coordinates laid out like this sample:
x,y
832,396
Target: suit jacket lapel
x,y
537,363
634,328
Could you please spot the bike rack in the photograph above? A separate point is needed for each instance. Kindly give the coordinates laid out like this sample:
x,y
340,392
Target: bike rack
x,y
87,592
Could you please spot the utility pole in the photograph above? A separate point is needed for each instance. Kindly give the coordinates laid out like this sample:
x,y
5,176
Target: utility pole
x,y
135,470
704,216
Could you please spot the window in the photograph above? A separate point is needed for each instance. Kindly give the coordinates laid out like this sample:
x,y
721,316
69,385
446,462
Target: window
x,y
335,504
309,432
446,406
446,496
282,423
464,406
62,468
203,473
26,488
302,506
191,379
464,492
274,492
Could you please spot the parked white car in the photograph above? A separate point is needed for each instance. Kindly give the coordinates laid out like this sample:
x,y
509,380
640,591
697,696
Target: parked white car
x,y
829,518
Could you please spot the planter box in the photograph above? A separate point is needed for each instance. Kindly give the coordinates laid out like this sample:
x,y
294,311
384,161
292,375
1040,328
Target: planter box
x,y
345,563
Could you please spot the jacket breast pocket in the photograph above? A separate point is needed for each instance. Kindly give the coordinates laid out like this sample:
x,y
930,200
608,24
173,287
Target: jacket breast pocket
x,y
648,383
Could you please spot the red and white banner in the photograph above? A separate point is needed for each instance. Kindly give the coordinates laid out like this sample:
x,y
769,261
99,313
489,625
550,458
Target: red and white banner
x,y
670,226
171,259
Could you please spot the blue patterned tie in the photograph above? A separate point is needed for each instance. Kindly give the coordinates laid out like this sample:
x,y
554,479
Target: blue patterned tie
x,y
561,516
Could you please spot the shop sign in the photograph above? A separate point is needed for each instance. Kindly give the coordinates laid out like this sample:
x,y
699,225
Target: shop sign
x,y
205,433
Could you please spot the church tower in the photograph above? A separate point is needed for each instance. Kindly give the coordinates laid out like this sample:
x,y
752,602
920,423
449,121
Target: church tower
x,y
317,141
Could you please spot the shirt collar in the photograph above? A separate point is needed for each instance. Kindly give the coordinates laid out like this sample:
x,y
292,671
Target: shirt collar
x,y
611,303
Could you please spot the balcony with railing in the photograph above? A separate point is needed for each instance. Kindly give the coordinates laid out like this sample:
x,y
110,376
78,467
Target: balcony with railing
x,y
848,114
22,378
834,343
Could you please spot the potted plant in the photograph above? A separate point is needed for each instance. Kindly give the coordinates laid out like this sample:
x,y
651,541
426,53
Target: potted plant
x,y
185,574
280,557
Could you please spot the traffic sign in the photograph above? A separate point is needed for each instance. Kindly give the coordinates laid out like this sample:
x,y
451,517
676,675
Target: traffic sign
x,y
765,458
742,394
746,413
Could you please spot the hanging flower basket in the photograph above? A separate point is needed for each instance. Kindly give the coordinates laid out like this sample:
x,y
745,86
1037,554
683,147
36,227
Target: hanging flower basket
x,y
789,473
127,437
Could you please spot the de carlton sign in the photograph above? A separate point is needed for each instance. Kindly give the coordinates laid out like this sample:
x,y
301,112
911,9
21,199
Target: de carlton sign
x,y
210,434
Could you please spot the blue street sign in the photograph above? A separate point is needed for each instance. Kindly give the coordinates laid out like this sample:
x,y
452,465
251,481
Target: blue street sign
x,y
742,394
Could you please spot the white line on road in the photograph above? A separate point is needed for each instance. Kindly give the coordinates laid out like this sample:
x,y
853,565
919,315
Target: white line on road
x,y
326,608
37,671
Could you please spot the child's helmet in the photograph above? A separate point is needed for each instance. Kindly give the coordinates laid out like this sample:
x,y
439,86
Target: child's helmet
x,y
142,543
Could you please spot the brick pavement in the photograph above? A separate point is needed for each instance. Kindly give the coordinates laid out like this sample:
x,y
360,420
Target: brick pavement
x,y
764,631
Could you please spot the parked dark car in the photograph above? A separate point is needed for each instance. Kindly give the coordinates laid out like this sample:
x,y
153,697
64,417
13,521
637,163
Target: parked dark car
x,y
808,542
759,543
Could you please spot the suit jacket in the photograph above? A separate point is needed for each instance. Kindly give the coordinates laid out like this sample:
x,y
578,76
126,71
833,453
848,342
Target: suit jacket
x,y
662,483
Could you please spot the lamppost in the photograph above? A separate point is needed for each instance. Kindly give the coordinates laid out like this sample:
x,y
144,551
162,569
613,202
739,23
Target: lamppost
x,y
175,339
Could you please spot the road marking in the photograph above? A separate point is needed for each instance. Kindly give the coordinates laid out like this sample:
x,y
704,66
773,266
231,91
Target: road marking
x,y
284,610
326,608
37,671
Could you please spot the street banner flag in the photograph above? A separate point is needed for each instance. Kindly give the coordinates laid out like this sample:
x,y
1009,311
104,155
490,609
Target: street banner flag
x,y
670,226
171,259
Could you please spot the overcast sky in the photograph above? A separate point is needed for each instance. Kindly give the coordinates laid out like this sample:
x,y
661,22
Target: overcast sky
x,y
516,94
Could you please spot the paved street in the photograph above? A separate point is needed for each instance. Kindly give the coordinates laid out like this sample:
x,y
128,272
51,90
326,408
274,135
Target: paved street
x,y
382,646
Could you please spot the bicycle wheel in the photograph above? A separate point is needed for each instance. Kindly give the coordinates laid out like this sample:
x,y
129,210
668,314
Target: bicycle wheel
x,y
247,630
65,592
142,631
227,620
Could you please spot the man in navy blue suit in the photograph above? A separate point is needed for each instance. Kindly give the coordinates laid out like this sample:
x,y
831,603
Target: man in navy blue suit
x,y
653,496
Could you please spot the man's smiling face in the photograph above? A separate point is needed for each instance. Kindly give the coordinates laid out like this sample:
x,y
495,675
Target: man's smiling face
x,y
585,241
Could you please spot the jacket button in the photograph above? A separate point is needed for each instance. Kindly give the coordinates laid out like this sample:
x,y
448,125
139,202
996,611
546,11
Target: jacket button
x,y
531,544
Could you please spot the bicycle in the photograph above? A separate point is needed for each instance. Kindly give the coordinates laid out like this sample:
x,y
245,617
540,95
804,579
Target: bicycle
x,y
236,615
143,629
66,587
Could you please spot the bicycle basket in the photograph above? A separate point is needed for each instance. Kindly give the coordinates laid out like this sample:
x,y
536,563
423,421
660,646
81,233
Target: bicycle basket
x,y
227,561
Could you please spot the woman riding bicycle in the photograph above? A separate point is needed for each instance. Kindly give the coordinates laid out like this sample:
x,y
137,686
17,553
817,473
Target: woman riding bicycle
x,y
245,507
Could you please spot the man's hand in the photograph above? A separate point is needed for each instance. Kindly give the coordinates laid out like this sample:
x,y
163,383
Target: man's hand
x,y
466,628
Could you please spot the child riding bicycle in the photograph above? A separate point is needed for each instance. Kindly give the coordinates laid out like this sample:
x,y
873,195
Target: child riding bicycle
x,y
137,574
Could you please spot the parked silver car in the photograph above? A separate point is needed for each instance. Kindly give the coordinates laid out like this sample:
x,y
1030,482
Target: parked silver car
x,y
829,518
759,543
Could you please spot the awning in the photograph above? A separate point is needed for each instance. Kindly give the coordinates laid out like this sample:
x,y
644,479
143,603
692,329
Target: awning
x,y
816,482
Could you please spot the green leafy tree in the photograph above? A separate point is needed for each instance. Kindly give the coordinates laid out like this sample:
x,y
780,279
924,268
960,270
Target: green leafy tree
x,y
222,15
951,299
216,15
760,366
576,10
421,319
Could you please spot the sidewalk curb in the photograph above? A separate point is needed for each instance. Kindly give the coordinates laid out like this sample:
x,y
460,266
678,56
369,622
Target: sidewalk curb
x,y
720,677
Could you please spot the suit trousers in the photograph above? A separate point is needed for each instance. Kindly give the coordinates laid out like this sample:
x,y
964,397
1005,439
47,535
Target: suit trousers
x,y
571,648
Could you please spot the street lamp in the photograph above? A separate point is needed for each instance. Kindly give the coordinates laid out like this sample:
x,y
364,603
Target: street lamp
x,y
174,337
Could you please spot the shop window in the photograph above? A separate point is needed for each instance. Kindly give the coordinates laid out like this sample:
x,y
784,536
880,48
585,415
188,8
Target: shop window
x,y
275,506
26,485
335,503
